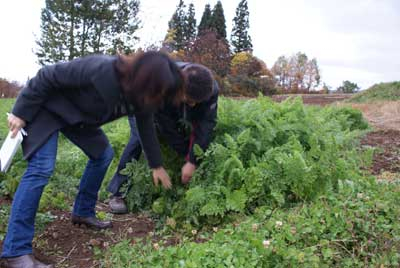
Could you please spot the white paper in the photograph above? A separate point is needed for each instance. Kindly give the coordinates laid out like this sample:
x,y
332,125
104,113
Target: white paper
x,y
8,150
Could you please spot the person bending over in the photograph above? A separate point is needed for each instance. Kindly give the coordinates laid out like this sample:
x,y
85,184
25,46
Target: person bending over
x,y
198,111
76,98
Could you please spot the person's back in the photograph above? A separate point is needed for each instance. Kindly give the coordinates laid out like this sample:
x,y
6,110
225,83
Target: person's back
x,y
199,110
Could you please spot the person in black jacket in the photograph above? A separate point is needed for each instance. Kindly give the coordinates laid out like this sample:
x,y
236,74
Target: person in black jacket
x,y
76,98
198,112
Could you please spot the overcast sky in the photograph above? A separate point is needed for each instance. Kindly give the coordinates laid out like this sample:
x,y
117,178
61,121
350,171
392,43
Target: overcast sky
x,y
356,40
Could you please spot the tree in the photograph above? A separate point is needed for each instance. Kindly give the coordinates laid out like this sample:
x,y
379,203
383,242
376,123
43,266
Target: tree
x,y
217,21
281,72
9,89
177,27
122,26
190,24
55,43
205,22
240,37
348,87
297,73
249,76
210,51
244,63
71,29
325,88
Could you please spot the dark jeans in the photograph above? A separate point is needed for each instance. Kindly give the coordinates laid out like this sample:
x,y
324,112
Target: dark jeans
x,y
132,151
21,224
166,128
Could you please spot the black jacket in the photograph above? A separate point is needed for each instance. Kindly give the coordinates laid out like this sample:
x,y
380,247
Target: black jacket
x,y
201,118
77,97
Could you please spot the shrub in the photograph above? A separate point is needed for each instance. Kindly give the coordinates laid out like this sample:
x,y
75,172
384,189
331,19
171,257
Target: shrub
x,y
242,85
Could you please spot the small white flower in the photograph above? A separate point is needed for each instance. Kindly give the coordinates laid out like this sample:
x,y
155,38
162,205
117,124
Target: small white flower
x,y
278,224
215,229
266,243
254,227
194,232
156,246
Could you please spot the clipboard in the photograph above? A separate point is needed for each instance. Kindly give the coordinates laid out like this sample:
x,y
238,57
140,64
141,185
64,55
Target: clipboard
x,y
9,149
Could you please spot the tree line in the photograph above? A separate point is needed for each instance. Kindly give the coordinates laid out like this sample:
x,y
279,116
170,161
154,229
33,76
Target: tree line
x,y
9,89
71,29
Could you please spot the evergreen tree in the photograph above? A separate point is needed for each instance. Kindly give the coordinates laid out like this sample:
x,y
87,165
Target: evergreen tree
x,y
71,29
240,37
124,22
218,21
205,22
190,24
177,27
55,43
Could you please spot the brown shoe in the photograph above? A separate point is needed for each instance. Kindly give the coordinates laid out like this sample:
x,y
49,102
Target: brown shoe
x,y
91,222
25,261
117,205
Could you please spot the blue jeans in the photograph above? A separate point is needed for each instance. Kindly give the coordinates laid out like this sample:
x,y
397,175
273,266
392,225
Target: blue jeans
x,y
21,225
132,151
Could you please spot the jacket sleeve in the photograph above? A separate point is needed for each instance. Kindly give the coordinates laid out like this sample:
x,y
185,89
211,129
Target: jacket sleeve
x,y
148,138
49,80
202,132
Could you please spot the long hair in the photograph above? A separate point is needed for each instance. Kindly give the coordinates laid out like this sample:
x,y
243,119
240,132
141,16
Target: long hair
x,y
150,79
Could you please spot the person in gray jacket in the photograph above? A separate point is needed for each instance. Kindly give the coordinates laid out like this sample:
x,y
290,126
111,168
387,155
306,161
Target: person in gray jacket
x,y
76,98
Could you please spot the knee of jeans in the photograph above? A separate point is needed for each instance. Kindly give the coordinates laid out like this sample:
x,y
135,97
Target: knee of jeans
x,y
42,169
108,155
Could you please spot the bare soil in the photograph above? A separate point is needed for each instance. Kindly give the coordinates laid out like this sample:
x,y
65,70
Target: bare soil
x,y
387,156
315,99
66,245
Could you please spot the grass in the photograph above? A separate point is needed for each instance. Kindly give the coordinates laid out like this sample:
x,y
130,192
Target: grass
x,y
378,92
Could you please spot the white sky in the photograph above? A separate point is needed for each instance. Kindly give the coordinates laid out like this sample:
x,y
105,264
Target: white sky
x,y
356,40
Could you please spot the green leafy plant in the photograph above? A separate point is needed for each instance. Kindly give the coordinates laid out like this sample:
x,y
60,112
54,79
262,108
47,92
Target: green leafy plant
x,y
355,227
264,154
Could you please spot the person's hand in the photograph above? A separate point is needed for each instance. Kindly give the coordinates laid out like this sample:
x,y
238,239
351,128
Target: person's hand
x,y
161,175
15,124
187,172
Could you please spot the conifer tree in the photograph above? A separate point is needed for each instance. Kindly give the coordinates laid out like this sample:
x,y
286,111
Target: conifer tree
x,y
177,27
218,21
71,29
240,37
190,24
205,22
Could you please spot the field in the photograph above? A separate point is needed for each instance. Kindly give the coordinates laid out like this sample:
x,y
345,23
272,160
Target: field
x,y
284,185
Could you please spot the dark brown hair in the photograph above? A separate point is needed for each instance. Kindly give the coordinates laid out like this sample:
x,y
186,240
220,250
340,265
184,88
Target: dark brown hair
x,y
149,79
199,84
